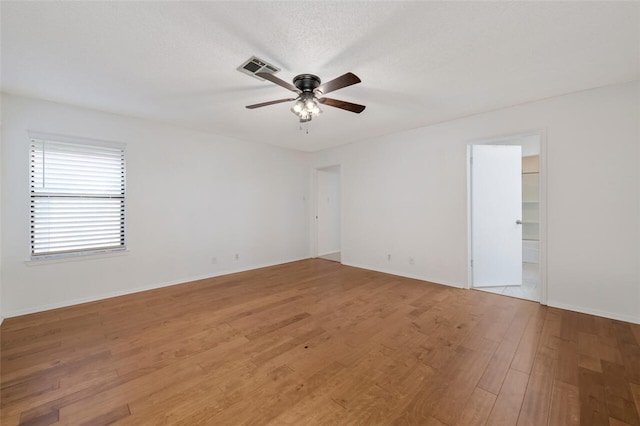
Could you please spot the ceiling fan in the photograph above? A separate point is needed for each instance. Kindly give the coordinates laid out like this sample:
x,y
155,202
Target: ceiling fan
x,y
311,92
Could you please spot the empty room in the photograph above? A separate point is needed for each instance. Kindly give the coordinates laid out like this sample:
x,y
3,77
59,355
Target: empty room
x,y
320,213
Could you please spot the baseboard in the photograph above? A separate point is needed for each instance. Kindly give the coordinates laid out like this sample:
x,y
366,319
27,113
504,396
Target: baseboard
x,y
596,312
1,319
15,313
329,252
42,308
405,275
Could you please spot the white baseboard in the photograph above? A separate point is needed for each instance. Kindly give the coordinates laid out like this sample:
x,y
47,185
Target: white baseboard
x,y
605,314
404,274
329,252
596,312
47,307
1,319
18,312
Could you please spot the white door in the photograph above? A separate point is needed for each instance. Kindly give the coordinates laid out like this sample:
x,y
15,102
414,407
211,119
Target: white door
x,y
496,215
328,210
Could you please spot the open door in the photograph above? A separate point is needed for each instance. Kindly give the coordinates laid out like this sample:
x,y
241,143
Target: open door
x,y
496,215
328,213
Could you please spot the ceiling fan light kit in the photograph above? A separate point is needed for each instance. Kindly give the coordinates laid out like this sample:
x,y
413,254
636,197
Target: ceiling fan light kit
x,y
305,108
310,92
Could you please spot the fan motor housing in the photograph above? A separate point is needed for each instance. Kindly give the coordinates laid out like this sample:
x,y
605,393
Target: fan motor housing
x,y
306,82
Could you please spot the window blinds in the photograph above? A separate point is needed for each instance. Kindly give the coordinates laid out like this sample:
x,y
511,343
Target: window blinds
x,y
77,198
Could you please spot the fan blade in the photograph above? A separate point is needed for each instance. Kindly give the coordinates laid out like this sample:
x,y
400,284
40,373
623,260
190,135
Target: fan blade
x,y
254,106
345,80
342,105
272,78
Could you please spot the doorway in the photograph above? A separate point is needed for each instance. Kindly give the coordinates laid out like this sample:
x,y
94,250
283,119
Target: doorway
x,y
328,213
505,216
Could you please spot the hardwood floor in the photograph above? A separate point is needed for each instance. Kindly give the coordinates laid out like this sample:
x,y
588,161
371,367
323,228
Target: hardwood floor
x,y
316,342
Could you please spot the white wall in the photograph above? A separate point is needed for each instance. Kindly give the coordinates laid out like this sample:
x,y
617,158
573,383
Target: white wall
x,y
405,195
1,179
328,206
190,196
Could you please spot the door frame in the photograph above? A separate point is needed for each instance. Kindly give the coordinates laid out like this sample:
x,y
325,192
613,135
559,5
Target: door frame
x,y
314,207
542,134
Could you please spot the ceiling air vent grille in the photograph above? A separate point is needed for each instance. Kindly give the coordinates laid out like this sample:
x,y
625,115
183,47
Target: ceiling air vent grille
x,y
254,65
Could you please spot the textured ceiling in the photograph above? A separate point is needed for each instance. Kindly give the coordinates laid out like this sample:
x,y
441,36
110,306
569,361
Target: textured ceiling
x,y
420,62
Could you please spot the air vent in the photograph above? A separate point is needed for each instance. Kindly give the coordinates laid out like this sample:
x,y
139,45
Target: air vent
x,y
255,65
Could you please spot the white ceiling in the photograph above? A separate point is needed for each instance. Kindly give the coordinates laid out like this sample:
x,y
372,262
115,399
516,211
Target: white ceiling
x,y
420,62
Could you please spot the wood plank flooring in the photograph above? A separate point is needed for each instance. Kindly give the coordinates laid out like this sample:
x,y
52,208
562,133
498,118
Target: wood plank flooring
x,y
318,343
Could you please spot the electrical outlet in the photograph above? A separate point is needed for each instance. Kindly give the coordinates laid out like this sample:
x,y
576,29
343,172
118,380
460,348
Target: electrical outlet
x,y
214,260
237,256
411,261
389,257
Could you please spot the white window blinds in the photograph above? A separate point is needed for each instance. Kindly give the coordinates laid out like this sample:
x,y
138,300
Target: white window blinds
x,y
77,198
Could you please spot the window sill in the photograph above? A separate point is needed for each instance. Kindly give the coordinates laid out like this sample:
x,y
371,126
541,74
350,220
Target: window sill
x,y
75,258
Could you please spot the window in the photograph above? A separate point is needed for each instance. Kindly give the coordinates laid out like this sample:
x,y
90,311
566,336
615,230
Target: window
x,y
77,198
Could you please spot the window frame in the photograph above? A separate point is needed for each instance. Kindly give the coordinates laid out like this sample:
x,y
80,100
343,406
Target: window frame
x,y
35,137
